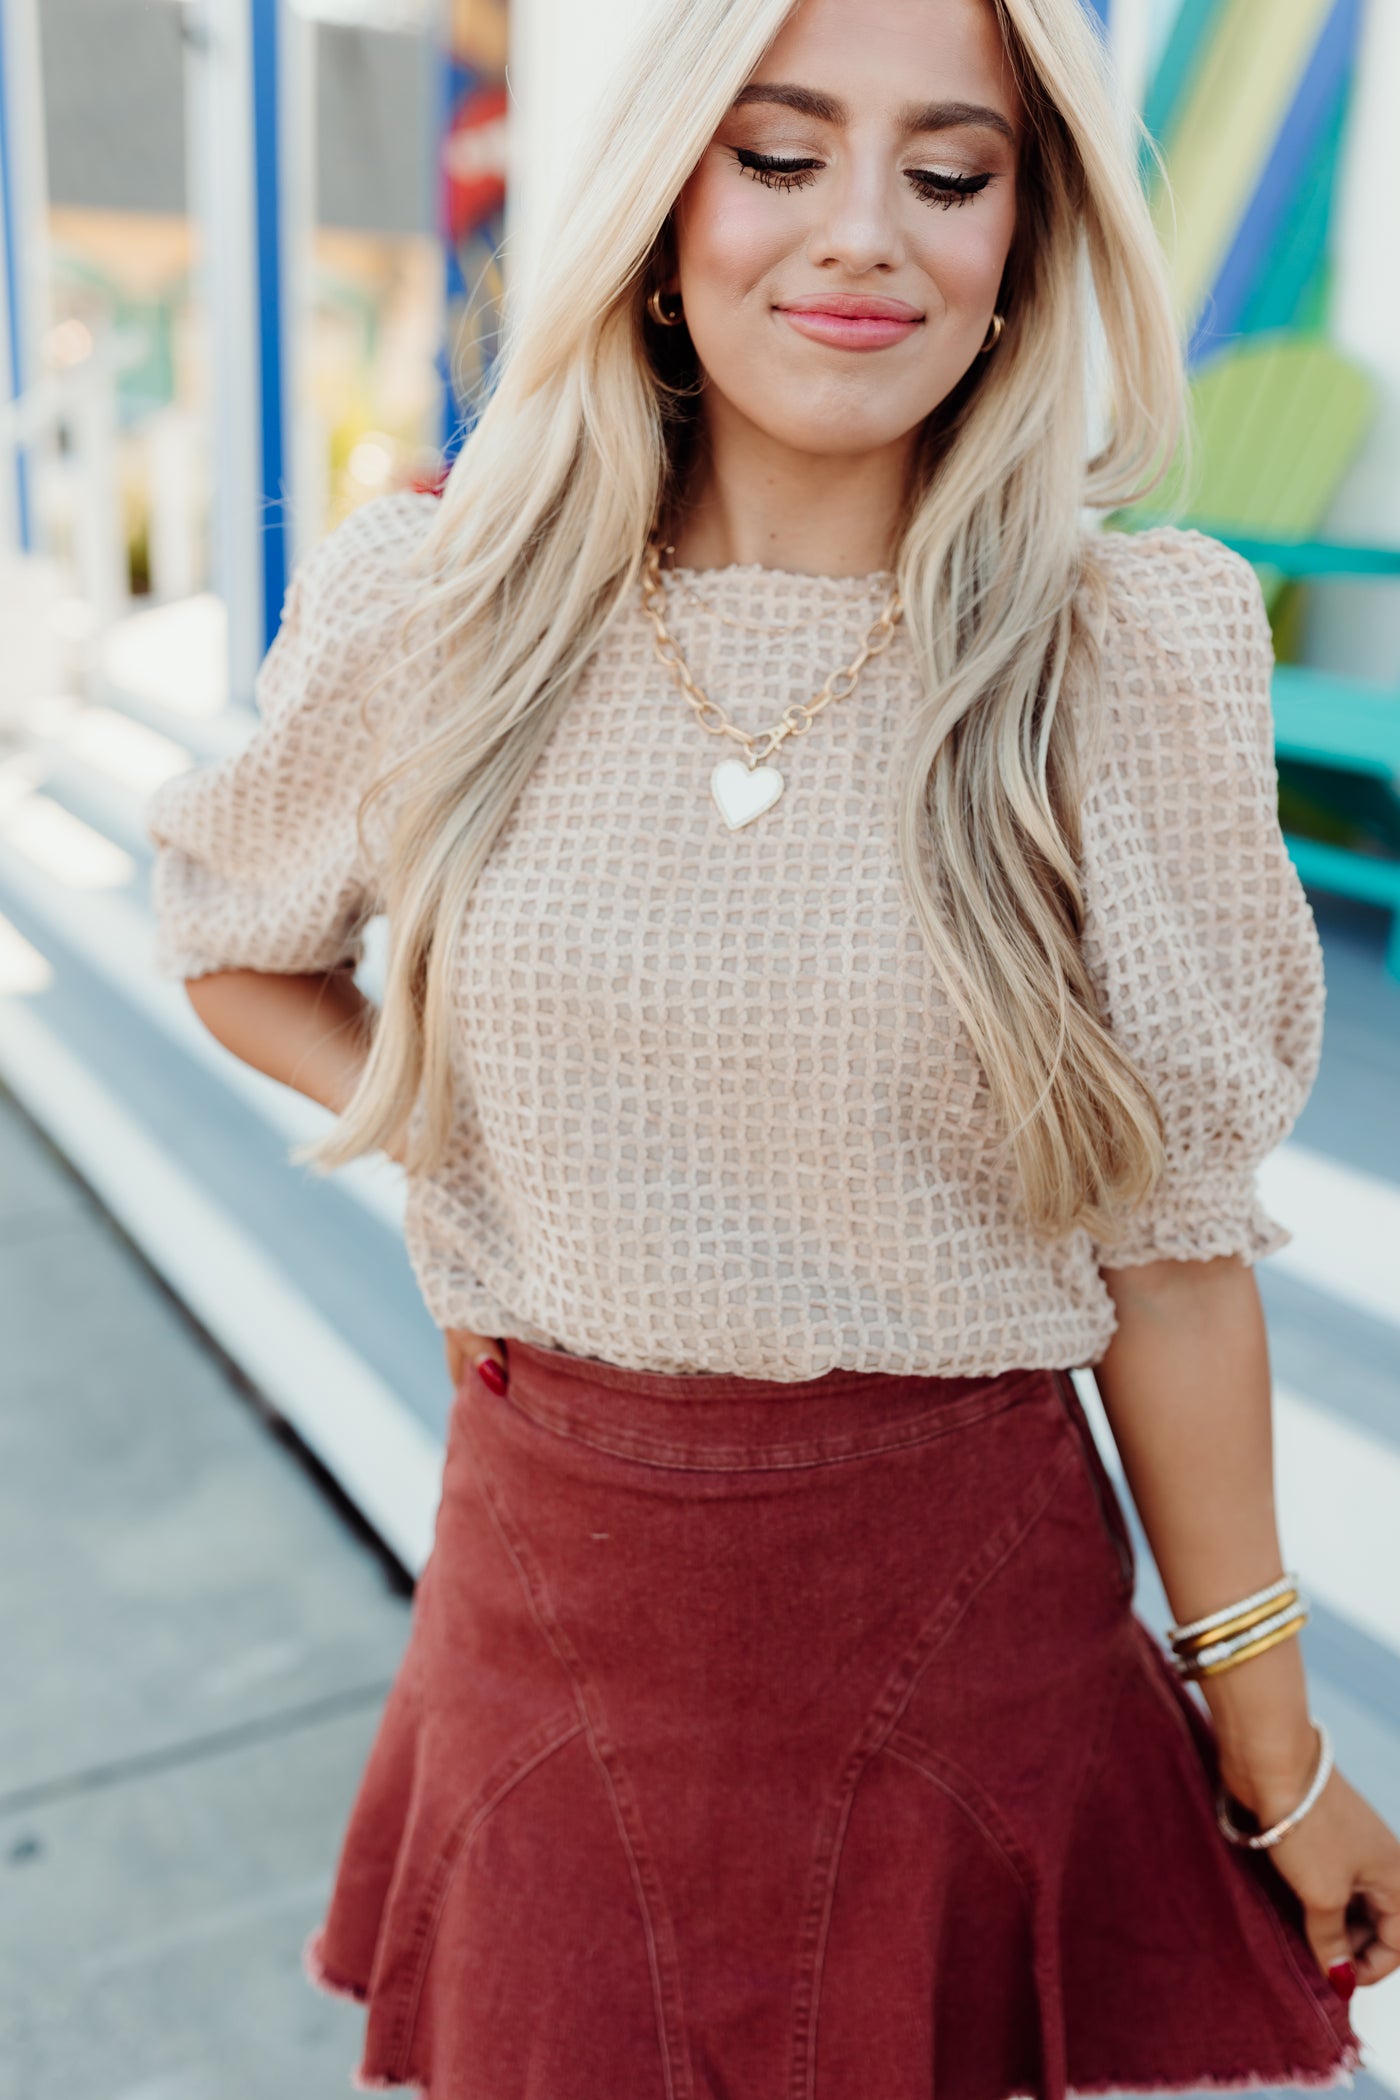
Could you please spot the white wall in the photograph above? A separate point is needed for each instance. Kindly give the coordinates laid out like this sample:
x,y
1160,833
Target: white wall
x,y
220,179
561,53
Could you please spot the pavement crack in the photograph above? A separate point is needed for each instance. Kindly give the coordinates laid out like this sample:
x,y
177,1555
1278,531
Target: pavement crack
x,y
194,1750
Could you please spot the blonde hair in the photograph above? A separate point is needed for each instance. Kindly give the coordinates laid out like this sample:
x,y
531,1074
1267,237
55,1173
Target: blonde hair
x,y
542,526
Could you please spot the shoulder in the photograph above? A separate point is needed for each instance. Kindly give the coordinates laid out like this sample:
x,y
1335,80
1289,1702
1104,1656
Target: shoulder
x,y
366,568
381,533
1175,597
1186,652
1166,565
346,644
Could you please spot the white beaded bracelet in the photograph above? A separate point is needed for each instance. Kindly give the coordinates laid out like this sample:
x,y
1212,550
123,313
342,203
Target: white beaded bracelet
x,y
1271,1836
1199,1661
1232,1611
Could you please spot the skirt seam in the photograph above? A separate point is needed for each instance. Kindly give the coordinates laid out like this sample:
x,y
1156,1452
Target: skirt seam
x,y
1153,1663
882,1718
666,1988
795,1457
1103,1732
1112,1516
981,1812
525,1757
1046,1927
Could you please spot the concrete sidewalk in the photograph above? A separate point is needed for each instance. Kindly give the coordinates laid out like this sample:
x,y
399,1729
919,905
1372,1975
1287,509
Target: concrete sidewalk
x,y
198,1634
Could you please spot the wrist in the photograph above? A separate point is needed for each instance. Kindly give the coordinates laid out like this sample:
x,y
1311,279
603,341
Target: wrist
x,y
1267,1742
1274,1787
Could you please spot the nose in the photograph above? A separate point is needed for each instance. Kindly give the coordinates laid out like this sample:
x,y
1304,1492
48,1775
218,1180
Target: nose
x,y
859,228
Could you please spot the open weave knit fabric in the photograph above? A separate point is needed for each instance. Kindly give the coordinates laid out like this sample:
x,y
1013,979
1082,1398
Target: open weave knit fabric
x,y
714,1109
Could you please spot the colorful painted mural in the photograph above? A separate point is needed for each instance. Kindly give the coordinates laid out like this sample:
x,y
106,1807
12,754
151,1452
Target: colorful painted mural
x,y
472,209
1247,104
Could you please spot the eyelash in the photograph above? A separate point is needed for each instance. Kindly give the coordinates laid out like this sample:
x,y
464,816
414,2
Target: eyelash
x,y
777,174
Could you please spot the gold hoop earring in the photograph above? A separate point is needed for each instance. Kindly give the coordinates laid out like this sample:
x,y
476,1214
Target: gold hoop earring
x,y
658,312
993,336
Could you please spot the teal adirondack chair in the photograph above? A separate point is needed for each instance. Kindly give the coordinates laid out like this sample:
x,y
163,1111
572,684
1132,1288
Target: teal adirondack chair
x,y
1279,418
1347,730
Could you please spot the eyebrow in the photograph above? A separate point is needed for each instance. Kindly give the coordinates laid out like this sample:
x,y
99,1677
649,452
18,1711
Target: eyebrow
x,y
914,116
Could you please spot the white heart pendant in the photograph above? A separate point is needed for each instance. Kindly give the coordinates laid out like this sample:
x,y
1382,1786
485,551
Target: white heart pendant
x,y
743,792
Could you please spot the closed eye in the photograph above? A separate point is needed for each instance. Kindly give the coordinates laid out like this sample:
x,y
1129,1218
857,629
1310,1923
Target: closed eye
x,y
777,173
946,189
774,172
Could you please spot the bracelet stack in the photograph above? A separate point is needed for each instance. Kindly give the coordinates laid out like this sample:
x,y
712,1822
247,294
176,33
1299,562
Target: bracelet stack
x,y
1231,1635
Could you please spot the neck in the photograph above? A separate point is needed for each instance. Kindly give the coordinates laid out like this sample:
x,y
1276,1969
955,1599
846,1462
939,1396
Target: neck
x,y
753,499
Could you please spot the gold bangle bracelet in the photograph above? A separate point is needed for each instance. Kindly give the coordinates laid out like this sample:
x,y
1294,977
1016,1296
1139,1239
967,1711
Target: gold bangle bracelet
x,y
1241,1624
1208,1622
1268,1640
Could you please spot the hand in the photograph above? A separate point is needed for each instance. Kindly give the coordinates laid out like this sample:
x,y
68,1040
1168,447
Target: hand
x,y
1342,1861
466,1350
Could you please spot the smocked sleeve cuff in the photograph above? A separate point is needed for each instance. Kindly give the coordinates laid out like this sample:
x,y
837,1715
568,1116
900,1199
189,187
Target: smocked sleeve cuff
x,y
1198,936
1216,1216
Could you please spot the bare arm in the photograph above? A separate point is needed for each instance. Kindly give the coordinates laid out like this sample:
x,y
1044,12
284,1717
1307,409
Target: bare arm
x,y
1186,1387
311,1032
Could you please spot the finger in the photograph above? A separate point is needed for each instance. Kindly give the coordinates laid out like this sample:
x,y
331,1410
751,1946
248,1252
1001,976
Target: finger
x,y
489,1363
483,1354
464,1349
1380,1955
1377,1961
1331,1945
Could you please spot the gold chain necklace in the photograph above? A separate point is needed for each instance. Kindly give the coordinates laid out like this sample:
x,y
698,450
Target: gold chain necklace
x,y
744,788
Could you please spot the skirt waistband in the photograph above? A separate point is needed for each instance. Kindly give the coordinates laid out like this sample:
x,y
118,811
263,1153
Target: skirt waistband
x,y
720,1421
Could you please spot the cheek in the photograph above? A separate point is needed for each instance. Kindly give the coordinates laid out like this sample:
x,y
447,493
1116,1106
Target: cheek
x,y
964,253
728,235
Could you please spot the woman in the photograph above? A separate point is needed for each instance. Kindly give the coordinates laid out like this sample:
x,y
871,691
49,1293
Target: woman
x,y
785,1115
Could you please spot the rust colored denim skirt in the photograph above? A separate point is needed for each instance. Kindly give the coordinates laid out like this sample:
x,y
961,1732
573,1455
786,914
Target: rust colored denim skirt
x,y
765,1740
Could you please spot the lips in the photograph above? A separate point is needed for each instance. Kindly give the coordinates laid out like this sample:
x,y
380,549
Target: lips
x,y
851,320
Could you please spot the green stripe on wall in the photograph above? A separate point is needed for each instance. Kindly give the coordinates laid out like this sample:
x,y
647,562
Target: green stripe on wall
x,y
1176,69
1225,133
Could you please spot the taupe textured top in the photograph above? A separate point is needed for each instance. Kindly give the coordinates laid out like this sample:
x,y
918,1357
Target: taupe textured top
x,y
715,1111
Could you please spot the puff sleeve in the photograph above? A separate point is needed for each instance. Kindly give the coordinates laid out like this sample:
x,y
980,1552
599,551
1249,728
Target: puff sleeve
x,y
1198,937
257,862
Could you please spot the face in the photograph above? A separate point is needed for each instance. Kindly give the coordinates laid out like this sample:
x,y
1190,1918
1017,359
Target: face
x,y
840,246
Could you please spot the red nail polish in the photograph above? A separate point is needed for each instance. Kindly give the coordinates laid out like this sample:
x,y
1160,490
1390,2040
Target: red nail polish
x,y
1342,1977
491,1374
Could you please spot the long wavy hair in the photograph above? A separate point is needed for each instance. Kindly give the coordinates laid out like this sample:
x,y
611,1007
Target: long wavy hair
x,y
582,446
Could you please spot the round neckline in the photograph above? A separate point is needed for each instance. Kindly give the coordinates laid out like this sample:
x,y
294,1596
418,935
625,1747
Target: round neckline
x,y
760,571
